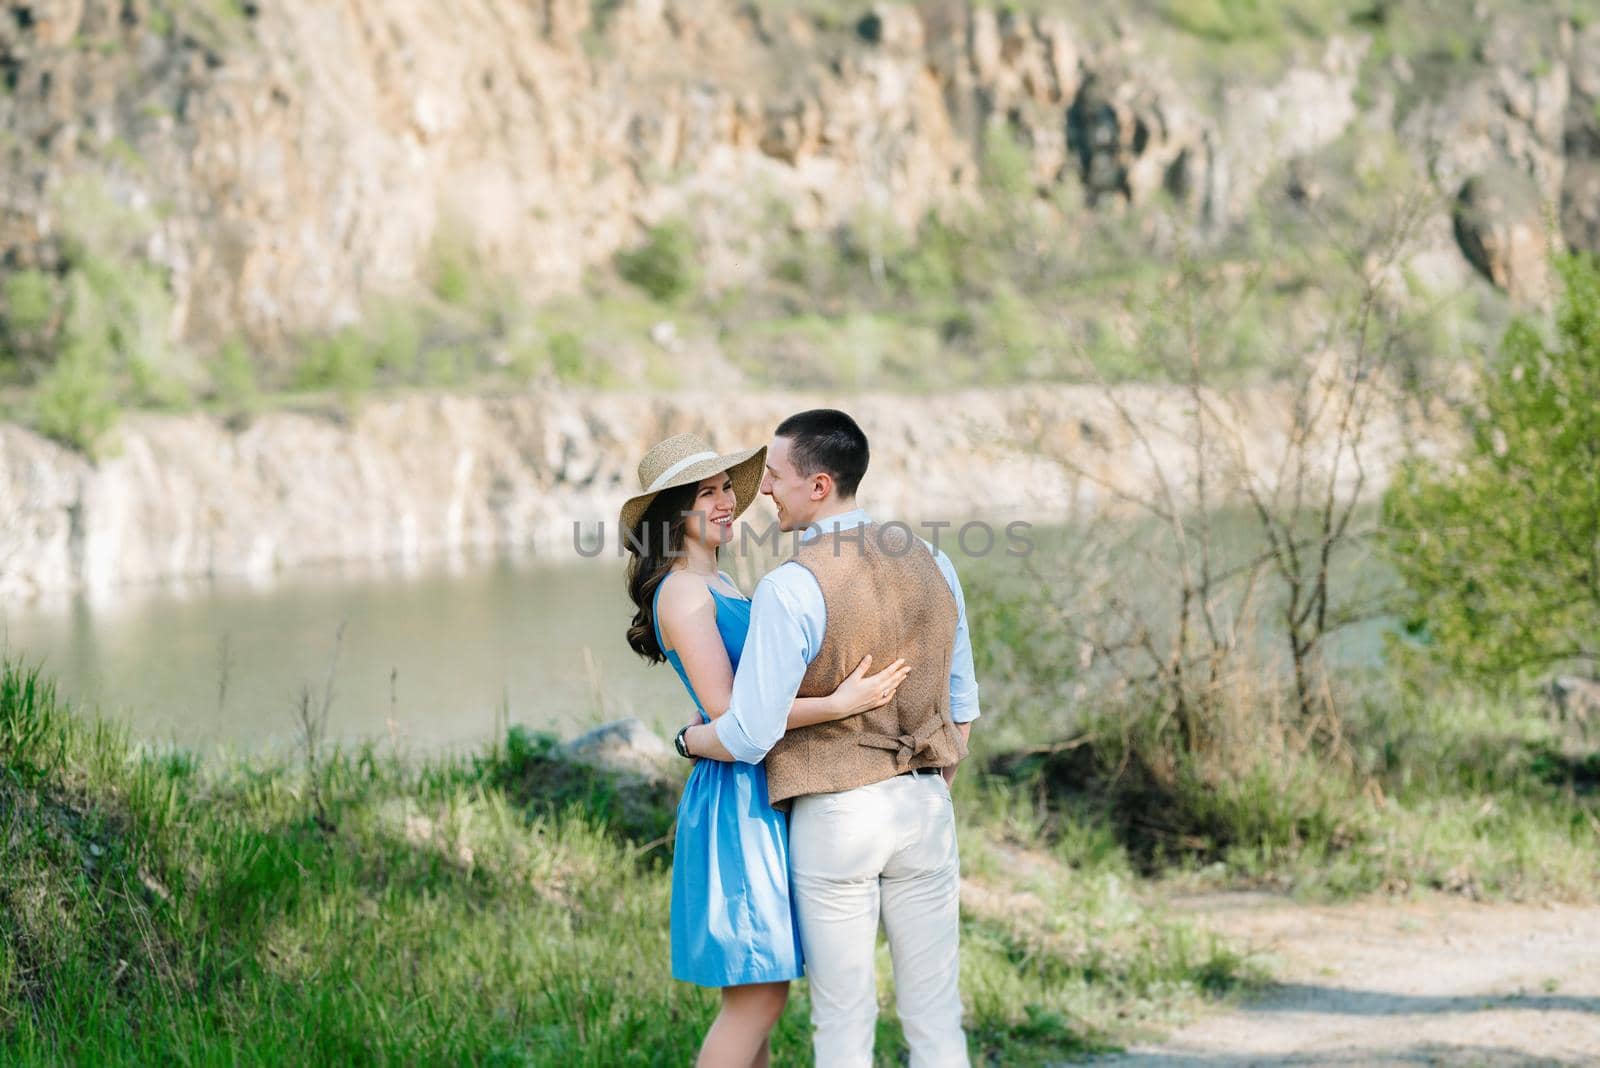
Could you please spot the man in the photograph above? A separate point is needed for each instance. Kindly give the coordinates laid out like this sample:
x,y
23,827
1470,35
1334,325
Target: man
x,y
871,828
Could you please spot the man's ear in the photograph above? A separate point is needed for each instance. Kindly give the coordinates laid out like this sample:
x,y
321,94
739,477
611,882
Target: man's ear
x,y
821,486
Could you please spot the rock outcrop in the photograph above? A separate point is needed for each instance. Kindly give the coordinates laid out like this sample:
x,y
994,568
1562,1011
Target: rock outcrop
x,y
1501,229
624,746
1580,186
288,161
433,476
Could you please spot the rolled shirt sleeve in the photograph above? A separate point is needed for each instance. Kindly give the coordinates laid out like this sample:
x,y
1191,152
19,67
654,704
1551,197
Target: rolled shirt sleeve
x,y
963,679
787,616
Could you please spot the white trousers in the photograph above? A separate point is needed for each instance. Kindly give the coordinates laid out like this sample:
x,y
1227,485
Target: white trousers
x,y
889,847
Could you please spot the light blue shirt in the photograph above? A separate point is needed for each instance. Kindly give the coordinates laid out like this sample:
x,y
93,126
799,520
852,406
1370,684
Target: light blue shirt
x,y
787,618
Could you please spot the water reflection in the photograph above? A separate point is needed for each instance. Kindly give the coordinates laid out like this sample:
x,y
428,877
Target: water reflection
x,y
440,656
429,657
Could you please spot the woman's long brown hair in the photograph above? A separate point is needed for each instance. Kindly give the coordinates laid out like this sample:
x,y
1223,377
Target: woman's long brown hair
x,y
654,545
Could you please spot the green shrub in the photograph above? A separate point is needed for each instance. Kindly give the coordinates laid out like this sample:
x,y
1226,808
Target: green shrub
x,y
1498,550
30,306
452,272
567,356
75,403
663,266
1007,164
933,268
114,323
445,366
119,310
28,313
394,333
233,376
343,362
1014,335
151,387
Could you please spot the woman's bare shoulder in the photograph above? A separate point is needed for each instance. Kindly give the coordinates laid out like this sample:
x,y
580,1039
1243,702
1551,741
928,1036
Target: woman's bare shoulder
x,y
682,595
683,586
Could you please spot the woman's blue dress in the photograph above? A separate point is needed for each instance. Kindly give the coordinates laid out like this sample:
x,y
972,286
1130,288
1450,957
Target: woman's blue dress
x,y
732,912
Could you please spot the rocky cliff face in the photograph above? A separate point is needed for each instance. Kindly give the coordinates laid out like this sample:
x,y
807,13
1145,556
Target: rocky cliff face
x,y
291,159
431,476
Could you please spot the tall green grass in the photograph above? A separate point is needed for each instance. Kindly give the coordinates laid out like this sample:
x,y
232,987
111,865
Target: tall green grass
x,y
1398,780
499,909
1452,791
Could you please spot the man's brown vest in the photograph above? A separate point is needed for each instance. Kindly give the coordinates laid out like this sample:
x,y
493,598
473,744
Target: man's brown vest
x,y
885,596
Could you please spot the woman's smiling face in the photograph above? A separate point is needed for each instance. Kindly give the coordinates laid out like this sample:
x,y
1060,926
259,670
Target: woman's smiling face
x,y
711,521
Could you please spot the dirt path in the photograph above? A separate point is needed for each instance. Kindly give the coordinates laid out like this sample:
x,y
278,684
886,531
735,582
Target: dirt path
x,y
1436,983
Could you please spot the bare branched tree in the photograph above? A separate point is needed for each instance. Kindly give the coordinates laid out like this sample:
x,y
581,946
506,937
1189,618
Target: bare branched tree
x,y
1240,552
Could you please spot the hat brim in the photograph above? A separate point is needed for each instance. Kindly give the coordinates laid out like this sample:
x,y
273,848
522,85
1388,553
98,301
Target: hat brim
x,y
745,468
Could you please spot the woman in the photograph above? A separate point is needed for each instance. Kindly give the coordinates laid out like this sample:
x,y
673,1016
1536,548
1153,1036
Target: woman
x,y
732,920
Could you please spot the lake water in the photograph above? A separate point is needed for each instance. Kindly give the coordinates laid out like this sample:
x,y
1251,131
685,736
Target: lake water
x,y
435,659
444,657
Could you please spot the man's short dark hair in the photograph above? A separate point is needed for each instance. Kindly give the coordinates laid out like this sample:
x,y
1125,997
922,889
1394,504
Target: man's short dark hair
x,y
825,439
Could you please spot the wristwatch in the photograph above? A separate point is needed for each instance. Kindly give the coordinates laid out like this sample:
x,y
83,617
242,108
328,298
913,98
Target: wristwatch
x,y
680,743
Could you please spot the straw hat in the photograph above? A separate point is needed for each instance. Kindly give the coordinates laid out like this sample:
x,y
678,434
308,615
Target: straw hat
x,y
685,459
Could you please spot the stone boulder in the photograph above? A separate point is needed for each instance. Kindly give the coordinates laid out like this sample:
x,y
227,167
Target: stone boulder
x,y
1133,138
1576,700
1580,184
1500,226
618,776
624,746
1580,205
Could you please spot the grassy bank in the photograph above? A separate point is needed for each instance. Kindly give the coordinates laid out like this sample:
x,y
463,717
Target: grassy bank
x,y
510,907
503,909
1152,706
1406,783
1461,795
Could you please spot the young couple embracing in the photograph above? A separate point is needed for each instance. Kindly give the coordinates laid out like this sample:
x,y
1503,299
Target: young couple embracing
x,y
819,800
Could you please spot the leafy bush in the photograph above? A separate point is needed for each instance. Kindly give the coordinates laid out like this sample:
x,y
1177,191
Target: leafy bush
x,y
150,387
28,313
1014,335
108,318
574,364
566,355
343,362
394,332
118,305
452,272
234,376
664,265
30,302
75,403
1498,550
1007,164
